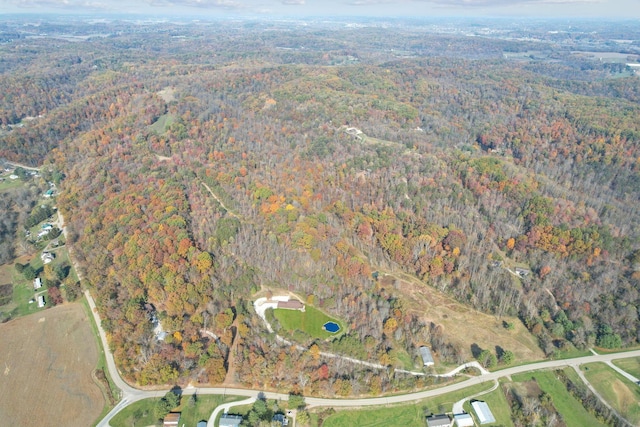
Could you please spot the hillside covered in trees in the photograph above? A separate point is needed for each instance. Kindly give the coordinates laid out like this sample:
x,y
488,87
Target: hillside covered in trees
x,y
205,164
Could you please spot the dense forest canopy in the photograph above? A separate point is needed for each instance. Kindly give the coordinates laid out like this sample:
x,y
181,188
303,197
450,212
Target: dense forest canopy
x,y
206,163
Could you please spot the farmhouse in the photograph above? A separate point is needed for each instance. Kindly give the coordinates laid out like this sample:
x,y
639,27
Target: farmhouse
x,y
483,412
47,257
463,420
41,302
292,304
427,358
440,420
37,283
172,419
230,420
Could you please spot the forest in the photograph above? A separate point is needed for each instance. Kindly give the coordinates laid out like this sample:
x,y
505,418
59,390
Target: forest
x,y
199,173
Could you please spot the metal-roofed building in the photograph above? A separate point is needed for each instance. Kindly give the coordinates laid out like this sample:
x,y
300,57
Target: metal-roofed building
x,y
463,420
440,420
483,412
427,358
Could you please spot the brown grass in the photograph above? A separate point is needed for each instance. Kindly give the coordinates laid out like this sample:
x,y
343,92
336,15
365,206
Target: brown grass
x,y
624,396
46,361
464,325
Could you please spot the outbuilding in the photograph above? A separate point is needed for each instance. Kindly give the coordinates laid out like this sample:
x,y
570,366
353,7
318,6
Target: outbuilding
x,y
463,420
41,301
483,412
227,420
440,420
172,419
427,358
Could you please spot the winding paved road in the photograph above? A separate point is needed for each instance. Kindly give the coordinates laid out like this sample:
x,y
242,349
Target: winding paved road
x,y
131,394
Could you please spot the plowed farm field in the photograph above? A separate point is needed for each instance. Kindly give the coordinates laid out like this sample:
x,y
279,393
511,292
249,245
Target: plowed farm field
x,y
46,365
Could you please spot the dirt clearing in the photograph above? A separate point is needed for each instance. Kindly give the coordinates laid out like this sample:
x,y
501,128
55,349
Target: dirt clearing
x,y
47,360
463,324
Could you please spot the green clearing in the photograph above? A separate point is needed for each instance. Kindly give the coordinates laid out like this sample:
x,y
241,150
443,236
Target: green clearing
x,y
499,407
309,321
141,413
618,391
160,125
402,415
631,365
8,184
572,411
21,294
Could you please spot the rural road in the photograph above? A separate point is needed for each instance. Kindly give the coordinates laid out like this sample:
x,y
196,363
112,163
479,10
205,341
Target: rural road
x,y
131,394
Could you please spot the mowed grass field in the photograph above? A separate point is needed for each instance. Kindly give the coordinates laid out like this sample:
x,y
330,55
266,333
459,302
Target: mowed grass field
x,y
47,360
572,411
618,391
141,413
402,415
309,321
631,365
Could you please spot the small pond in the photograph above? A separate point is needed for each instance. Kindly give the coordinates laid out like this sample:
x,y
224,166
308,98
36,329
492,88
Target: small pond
x,y
331,327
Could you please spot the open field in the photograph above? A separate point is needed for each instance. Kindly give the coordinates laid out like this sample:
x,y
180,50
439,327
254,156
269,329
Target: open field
x,y
464,325
401,415
141,413
631,365
47,361
309,321
619,392
572,411
160,125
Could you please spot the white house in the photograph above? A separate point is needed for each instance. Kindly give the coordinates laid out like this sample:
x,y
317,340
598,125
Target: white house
x,y
37,283
47,257
41,302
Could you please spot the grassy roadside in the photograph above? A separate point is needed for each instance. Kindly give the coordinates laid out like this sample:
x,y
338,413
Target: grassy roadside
x,y
402,415
618,391
572,411
631,365
110,391
142,413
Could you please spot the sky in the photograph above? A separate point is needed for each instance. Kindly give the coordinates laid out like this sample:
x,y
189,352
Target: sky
x,y
629,9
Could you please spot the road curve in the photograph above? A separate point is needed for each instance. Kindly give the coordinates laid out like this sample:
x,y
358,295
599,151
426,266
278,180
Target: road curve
x,y
131,394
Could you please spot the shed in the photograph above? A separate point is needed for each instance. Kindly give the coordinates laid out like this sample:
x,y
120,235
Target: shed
x,y
227,420
37,283
427,358
483,412
201,423
440,420
172,419
41,302
463,420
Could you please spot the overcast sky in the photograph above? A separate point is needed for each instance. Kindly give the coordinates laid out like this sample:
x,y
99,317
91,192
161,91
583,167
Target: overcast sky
x,y
416,8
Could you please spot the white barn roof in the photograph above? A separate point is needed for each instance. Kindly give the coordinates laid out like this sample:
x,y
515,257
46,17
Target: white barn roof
x,y
427,358
483,412
463,420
